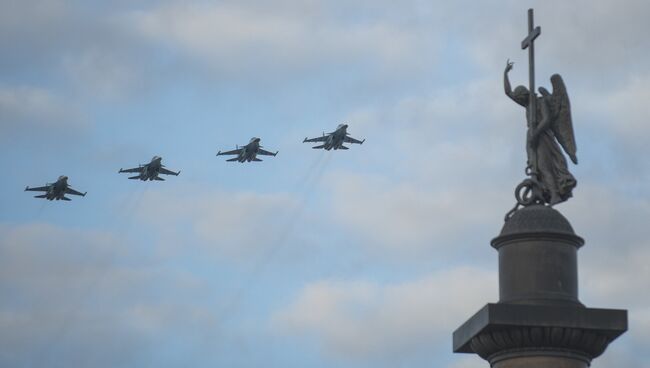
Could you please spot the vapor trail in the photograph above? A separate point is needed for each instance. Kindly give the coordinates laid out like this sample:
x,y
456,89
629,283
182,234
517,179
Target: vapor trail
x,y
40,209
126,213
304,188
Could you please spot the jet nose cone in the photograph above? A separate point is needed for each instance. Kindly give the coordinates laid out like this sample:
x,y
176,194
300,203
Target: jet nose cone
x,y
345,126
257,139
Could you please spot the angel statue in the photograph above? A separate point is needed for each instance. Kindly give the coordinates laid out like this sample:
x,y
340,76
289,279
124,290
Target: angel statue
x,y
549,129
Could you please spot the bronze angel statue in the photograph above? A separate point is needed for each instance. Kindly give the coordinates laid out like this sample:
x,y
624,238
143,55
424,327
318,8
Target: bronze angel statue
x,y
548,129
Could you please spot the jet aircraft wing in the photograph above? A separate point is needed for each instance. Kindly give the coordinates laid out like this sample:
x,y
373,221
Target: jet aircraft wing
x,y
348,139
38,189
233,152
168,172
72,191
134,170
318,139
265,152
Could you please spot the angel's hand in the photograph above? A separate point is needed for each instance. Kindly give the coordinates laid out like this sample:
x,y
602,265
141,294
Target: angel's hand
x,y
509,65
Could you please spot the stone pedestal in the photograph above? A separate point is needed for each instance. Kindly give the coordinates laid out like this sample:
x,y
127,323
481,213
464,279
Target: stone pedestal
x,y
539,322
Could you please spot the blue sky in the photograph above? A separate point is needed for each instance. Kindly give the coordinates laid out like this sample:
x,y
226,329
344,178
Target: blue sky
x,y
368,257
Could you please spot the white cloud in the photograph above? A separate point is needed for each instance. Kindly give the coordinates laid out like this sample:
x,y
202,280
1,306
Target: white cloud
x,y
372,322
402,218
579,37
89,53
602,33
628,110
468,362
456,147
469,131
103,73
453,168
33,110
618,355
614,263
231,224
81,298
608,218
253,38
613,269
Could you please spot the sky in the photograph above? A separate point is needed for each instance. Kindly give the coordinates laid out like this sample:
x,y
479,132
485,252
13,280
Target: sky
x,y
369,257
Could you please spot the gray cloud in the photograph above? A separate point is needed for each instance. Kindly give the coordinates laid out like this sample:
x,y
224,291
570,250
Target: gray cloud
x,y
236,225
386,323
613,263
586,39
287,39
468,362
308,37
91,52
454,146
613,268
36,111
68,300
410,220
627,110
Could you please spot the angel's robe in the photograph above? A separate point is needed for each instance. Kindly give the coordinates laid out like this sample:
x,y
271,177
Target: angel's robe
x,y
551,165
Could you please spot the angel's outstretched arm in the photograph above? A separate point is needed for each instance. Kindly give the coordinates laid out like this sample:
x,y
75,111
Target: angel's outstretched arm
x,y
506,84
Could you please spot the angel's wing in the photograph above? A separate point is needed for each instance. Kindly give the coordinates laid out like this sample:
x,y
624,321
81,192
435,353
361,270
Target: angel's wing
x,y
562,124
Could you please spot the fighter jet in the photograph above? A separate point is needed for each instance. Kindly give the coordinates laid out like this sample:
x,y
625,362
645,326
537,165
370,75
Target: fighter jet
x,y
56,190
334,139
248,152
150,171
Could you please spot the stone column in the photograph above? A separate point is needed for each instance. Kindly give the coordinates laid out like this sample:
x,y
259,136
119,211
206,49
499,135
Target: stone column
x,y
539,322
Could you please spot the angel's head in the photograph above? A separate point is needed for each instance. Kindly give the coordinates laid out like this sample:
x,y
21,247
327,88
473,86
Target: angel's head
x,y
521,95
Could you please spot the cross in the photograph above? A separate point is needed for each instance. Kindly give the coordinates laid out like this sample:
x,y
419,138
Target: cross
x,y
529,43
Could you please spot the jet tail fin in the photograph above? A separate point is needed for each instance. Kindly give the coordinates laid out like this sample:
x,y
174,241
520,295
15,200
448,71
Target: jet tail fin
x,y
65,198
343,147
158,178
257,159
41,196
318,147
135,177
233,159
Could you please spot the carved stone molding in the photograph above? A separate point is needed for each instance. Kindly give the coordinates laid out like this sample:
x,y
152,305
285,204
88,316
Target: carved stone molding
x,y
561,340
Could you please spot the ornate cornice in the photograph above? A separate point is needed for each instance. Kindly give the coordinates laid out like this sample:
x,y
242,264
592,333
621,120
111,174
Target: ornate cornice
x,y
521,340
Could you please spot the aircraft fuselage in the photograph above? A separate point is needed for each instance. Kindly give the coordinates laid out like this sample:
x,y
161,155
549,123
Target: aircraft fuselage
x,y
56,190
152,169
336,139
249,151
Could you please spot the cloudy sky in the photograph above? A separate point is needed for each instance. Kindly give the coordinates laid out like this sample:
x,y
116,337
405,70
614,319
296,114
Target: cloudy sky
x,y
365,258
